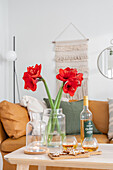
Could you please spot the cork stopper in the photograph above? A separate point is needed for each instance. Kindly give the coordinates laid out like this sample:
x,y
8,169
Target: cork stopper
x,y
85,100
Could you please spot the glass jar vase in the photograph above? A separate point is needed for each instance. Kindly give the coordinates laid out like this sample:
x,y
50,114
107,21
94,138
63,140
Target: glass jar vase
x,y
35,133
55,127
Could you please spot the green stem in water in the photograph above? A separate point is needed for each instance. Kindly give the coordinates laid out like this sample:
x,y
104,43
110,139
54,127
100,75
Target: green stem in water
x,y
51,105
53,120
57,105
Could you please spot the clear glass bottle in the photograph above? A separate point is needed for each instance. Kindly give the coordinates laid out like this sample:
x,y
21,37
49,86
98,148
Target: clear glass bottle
x,y
55,127
86,121
35,133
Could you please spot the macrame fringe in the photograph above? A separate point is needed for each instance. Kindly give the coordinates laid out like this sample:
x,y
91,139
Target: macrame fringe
x,y
61,58
73,54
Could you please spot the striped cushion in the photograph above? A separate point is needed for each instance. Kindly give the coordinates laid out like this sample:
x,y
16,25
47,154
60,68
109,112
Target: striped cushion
x,y
110,132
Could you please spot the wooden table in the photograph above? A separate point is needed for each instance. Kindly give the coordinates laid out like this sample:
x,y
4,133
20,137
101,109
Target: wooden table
x,y
104,161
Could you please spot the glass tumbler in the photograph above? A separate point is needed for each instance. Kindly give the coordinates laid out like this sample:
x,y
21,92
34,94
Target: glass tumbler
x,y
69,142
90,144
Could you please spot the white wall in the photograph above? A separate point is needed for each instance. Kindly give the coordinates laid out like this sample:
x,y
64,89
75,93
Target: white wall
x,y
4,76
37,23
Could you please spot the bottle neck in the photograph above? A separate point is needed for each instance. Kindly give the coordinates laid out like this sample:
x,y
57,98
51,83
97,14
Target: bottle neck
x,y
85,107
85,103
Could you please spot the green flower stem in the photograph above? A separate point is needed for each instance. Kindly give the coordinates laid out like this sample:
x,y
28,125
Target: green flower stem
x,y
50,122
57,105
52,107
58,97
53,120
48,93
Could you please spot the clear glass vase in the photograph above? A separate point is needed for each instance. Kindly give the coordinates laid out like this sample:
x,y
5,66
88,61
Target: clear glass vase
x,y
55,127
35,133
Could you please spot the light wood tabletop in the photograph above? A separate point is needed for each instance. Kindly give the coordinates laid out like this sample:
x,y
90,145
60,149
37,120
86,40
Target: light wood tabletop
x,y
104,161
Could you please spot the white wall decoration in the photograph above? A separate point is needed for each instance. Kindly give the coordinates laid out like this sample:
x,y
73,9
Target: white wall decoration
x,y
73,54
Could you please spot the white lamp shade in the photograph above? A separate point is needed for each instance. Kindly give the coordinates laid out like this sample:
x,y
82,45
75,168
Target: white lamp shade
x,y
11,56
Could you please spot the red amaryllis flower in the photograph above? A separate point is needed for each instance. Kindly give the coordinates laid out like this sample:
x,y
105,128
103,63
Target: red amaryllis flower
x,y
66,74
78,79
34,72
70,87
30,83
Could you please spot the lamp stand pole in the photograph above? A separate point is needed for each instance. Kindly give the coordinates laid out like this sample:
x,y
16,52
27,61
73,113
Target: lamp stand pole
x,y
13,71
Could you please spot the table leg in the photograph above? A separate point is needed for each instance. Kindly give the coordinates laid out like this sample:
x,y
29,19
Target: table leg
x,y
22,167
41,167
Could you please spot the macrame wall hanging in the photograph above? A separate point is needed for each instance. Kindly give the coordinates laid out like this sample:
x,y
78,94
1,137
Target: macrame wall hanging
x,y
73,54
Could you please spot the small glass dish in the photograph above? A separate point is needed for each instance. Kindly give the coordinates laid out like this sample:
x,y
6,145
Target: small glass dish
x,y
35,148
90,144
69,142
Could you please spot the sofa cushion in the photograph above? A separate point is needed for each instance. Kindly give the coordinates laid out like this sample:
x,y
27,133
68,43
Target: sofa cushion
x,y
3,135
110,132
14,119
100,111
10,144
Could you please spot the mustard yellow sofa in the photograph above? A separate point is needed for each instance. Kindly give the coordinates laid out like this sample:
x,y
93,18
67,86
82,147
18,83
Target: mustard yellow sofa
x,y
100,110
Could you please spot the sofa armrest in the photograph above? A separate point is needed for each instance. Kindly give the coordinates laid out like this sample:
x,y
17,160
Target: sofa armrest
x,y
3,135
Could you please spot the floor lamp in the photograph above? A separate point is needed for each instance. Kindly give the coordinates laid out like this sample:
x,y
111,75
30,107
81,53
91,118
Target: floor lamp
x,y
11,56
